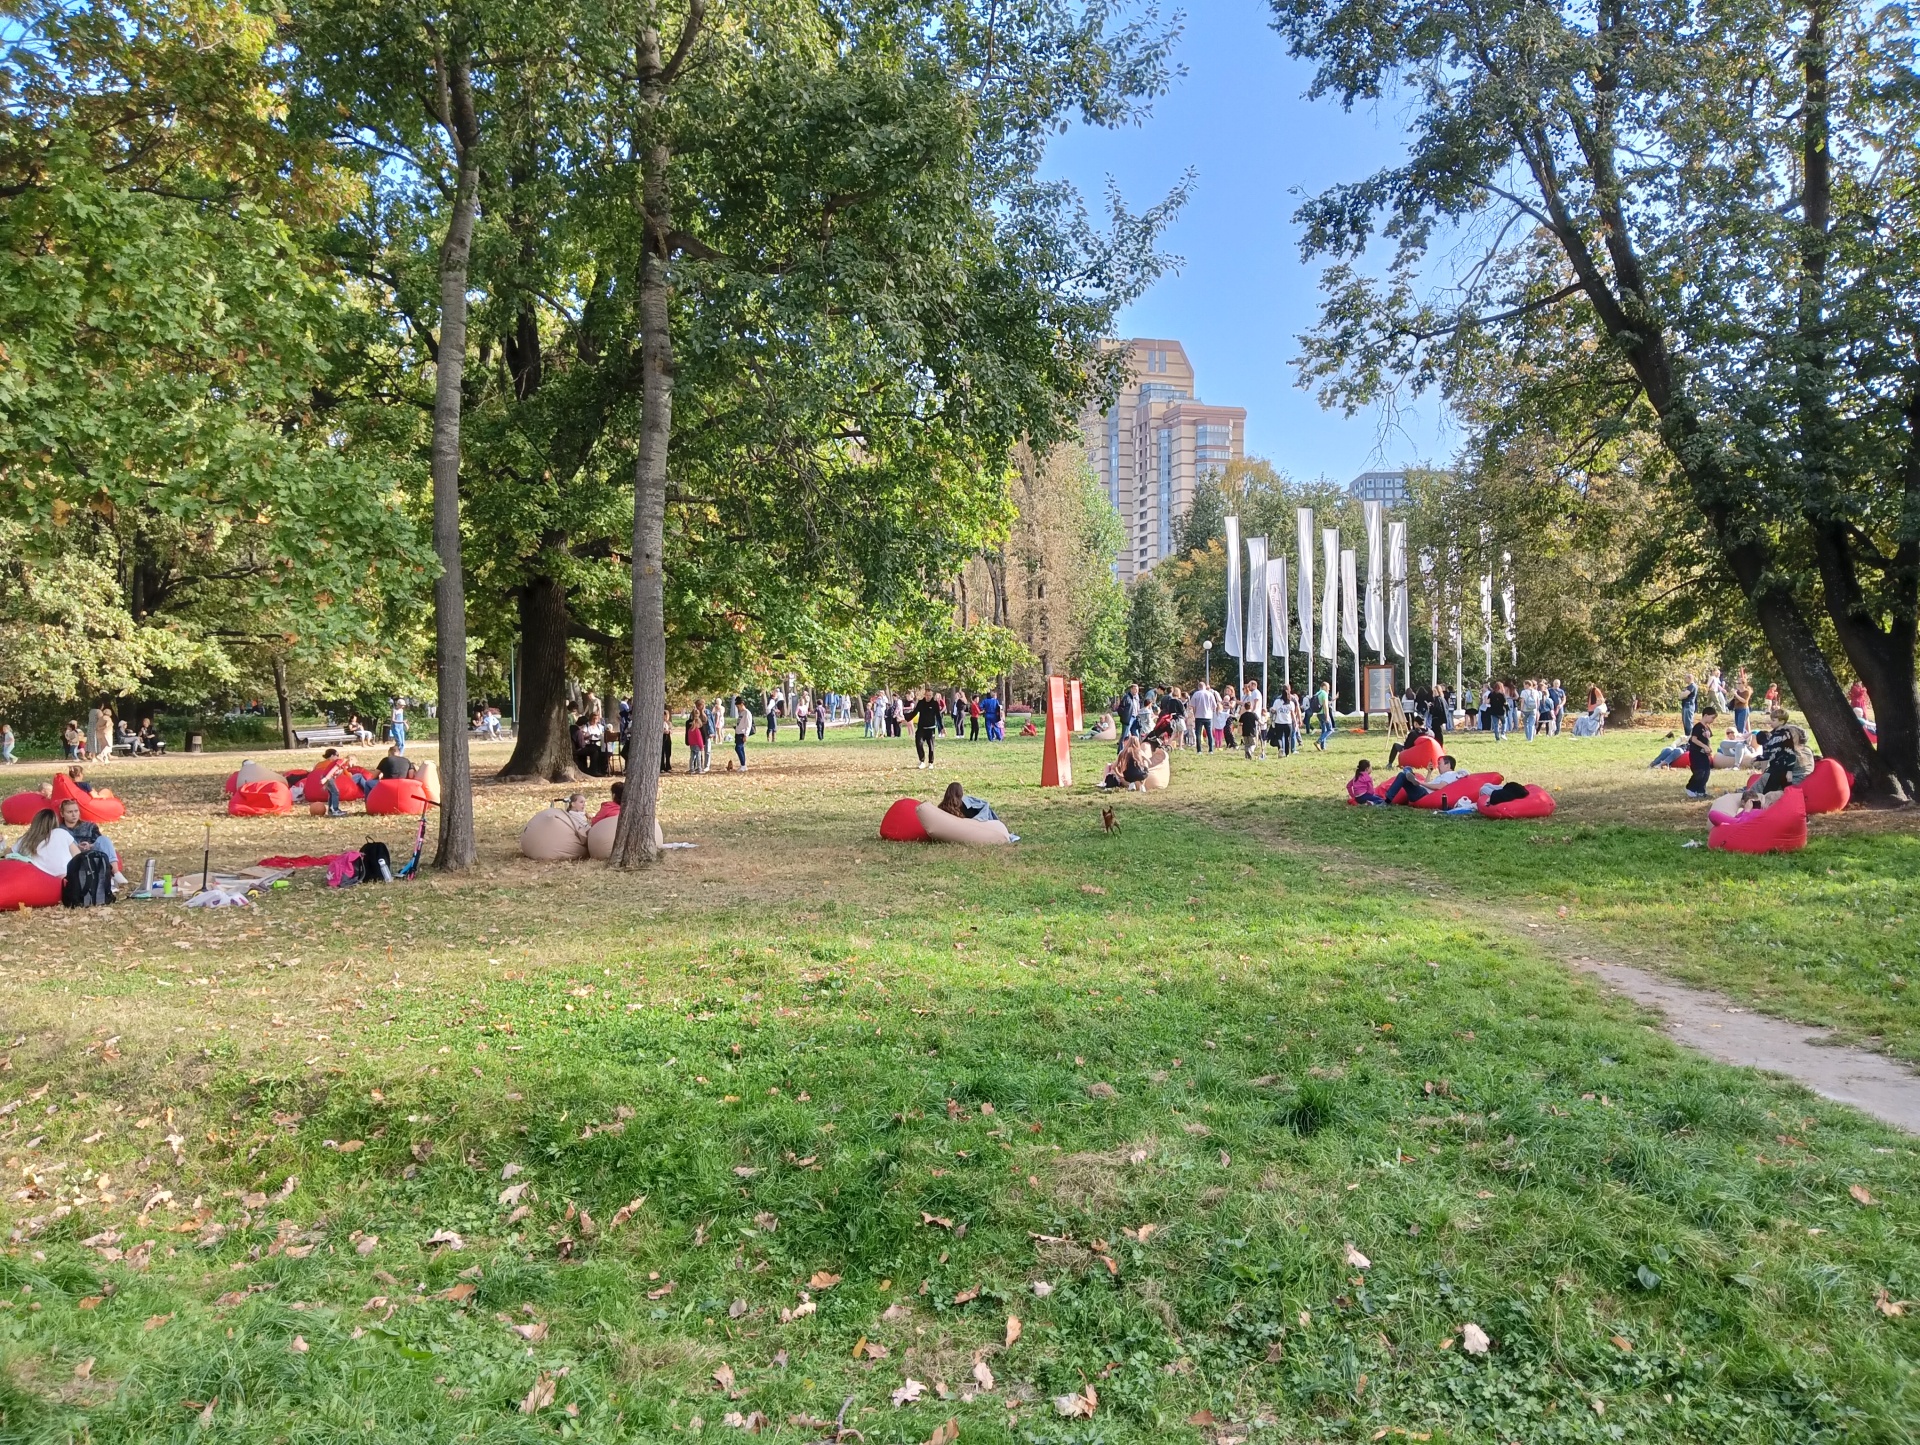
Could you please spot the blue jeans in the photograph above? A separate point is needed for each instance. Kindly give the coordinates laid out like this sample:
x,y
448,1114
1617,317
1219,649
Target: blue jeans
x,y
1532,721
1686,718
1740,715
740,749
1404,783
1326,728
6,751
1499,721
400,736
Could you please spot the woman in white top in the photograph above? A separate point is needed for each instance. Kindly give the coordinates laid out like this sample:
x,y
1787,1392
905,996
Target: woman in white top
x,y
46,845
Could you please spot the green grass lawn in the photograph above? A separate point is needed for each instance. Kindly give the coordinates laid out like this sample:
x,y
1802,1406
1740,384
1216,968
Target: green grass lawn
x,y
1241,1123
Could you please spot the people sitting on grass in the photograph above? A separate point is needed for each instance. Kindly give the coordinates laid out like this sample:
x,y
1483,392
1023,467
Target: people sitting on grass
x,y
1129,768
1360,787
88,836
46,845
962,804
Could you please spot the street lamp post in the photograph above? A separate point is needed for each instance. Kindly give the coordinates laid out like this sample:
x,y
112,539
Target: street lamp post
x,y
1206,649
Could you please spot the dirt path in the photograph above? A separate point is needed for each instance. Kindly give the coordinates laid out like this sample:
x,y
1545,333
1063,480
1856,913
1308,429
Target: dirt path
x,y
1701,1019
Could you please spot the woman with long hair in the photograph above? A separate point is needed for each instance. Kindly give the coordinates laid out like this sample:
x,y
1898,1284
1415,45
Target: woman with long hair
x,y
46,845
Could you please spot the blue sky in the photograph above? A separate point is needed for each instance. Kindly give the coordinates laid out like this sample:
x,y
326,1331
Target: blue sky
x,y
1239,119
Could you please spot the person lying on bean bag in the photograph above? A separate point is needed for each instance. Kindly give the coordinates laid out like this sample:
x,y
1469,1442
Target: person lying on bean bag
x,y
1515,800
557,833
944,827
1104,731
962,804
97,804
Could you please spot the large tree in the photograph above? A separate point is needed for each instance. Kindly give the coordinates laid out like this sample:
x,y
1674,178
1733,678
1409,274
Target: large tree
x,y
169,348
1693,219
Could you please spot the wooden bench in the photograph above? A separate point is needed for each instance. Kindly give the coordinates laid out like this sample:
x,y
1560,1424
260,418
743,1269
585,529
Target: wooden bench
x,y
322,737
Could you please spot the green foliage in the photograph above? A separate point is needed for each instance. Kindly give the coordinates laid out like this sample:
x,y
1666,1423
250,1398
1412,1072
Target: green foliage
x,y
1153,633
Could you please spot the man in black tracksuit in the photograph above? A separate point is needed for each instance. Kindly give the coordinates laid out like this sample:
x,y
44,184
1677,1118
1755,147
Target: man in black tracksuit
x,y
926,724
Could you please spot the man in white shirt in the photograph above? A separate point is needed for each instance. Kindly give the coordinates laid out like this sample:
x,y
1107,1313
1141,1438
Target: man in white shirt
x,y
1205,702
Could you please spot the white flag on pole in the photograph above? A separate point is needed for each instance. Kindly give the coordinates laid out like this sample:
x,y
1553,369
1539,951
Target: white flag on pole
x,y
1486,619
1277,607
1256,599
1507,618
1330,593
1370,511
1303,583
1397,588
1231,641
1349,601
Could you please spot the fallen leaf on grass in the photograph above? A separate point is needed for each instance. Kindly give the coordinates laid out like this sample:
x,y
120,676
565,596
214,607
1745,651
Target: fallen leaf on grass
x,y
1102,1091
1041,1289
661,1293
1093,888
1862,1195
908,1392
1623,1344
935,1220
823,1280
1202,1417
205,1417
1355,1258
153,1322
967,1295
94,1301
532,1333
723,1377
84,1370
366,1245
353,1146
1077,1407
298,1345
625,1212
983,1374
745,1171
738,1308
540,1396
1139,1236
511,1194
448,1237
1893,1309
1473,1339
1013,1329
898,1310
799,1311
507,1171
753,1424
458,1293
945,1433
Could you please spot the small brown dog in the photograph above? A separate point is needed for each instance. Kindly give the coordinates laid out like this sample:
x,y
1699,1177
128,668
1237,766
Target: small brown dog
x,y
1108,821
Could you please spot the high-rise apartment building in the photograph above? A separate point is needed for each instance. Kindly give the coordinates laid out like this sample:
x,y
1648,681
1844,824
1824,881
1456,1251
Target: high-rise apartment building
x,y
1152,446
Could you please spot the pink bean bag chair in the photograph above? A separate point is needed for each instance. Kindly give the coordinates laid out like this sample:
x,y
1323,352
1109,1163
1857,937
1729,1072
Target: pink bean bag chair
x,y
1448,794
1827,789
19,810
1538,803
395,796
261,800
313,787
600,835
551,837
1425,753
24,886
902,823
1779,829
92,809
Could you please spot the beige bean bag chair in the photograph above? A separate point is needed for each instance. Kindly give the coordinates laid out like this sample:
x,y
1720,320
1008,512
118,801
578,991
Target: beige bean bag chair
x,y
1106,732
252,772
427,775
945,828
553,835
1158,776
600,836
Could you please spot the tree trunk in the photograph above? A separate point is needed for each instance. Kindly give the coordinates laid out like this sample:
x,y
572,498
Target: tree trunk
x,y
286,704
544,747
456,849
633,843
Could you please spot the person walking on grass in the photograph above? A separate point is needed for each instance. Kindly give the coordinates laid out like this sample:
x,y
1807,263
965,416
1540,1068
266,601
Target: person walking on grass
x,y
926,727
742,728
6,744
1323,703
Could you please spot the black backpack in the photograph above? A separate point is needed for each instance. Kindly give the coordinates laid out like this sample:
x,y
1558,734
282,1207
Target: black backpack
x,y
376,864
89,881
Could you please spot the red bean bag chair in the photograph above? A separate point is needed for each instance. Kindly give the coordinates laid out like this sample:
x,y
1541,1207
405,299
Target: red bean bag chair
x,y
1448,794
1779,829
1424,753
313,787
902,823
92,809
19,810
1827,788
396,796
1681,763
252,772
261,800
1538,803
24,886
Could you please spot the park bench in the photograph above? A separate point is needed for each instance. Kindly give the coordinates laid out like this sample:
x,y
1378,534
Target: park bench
x,y
322,737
